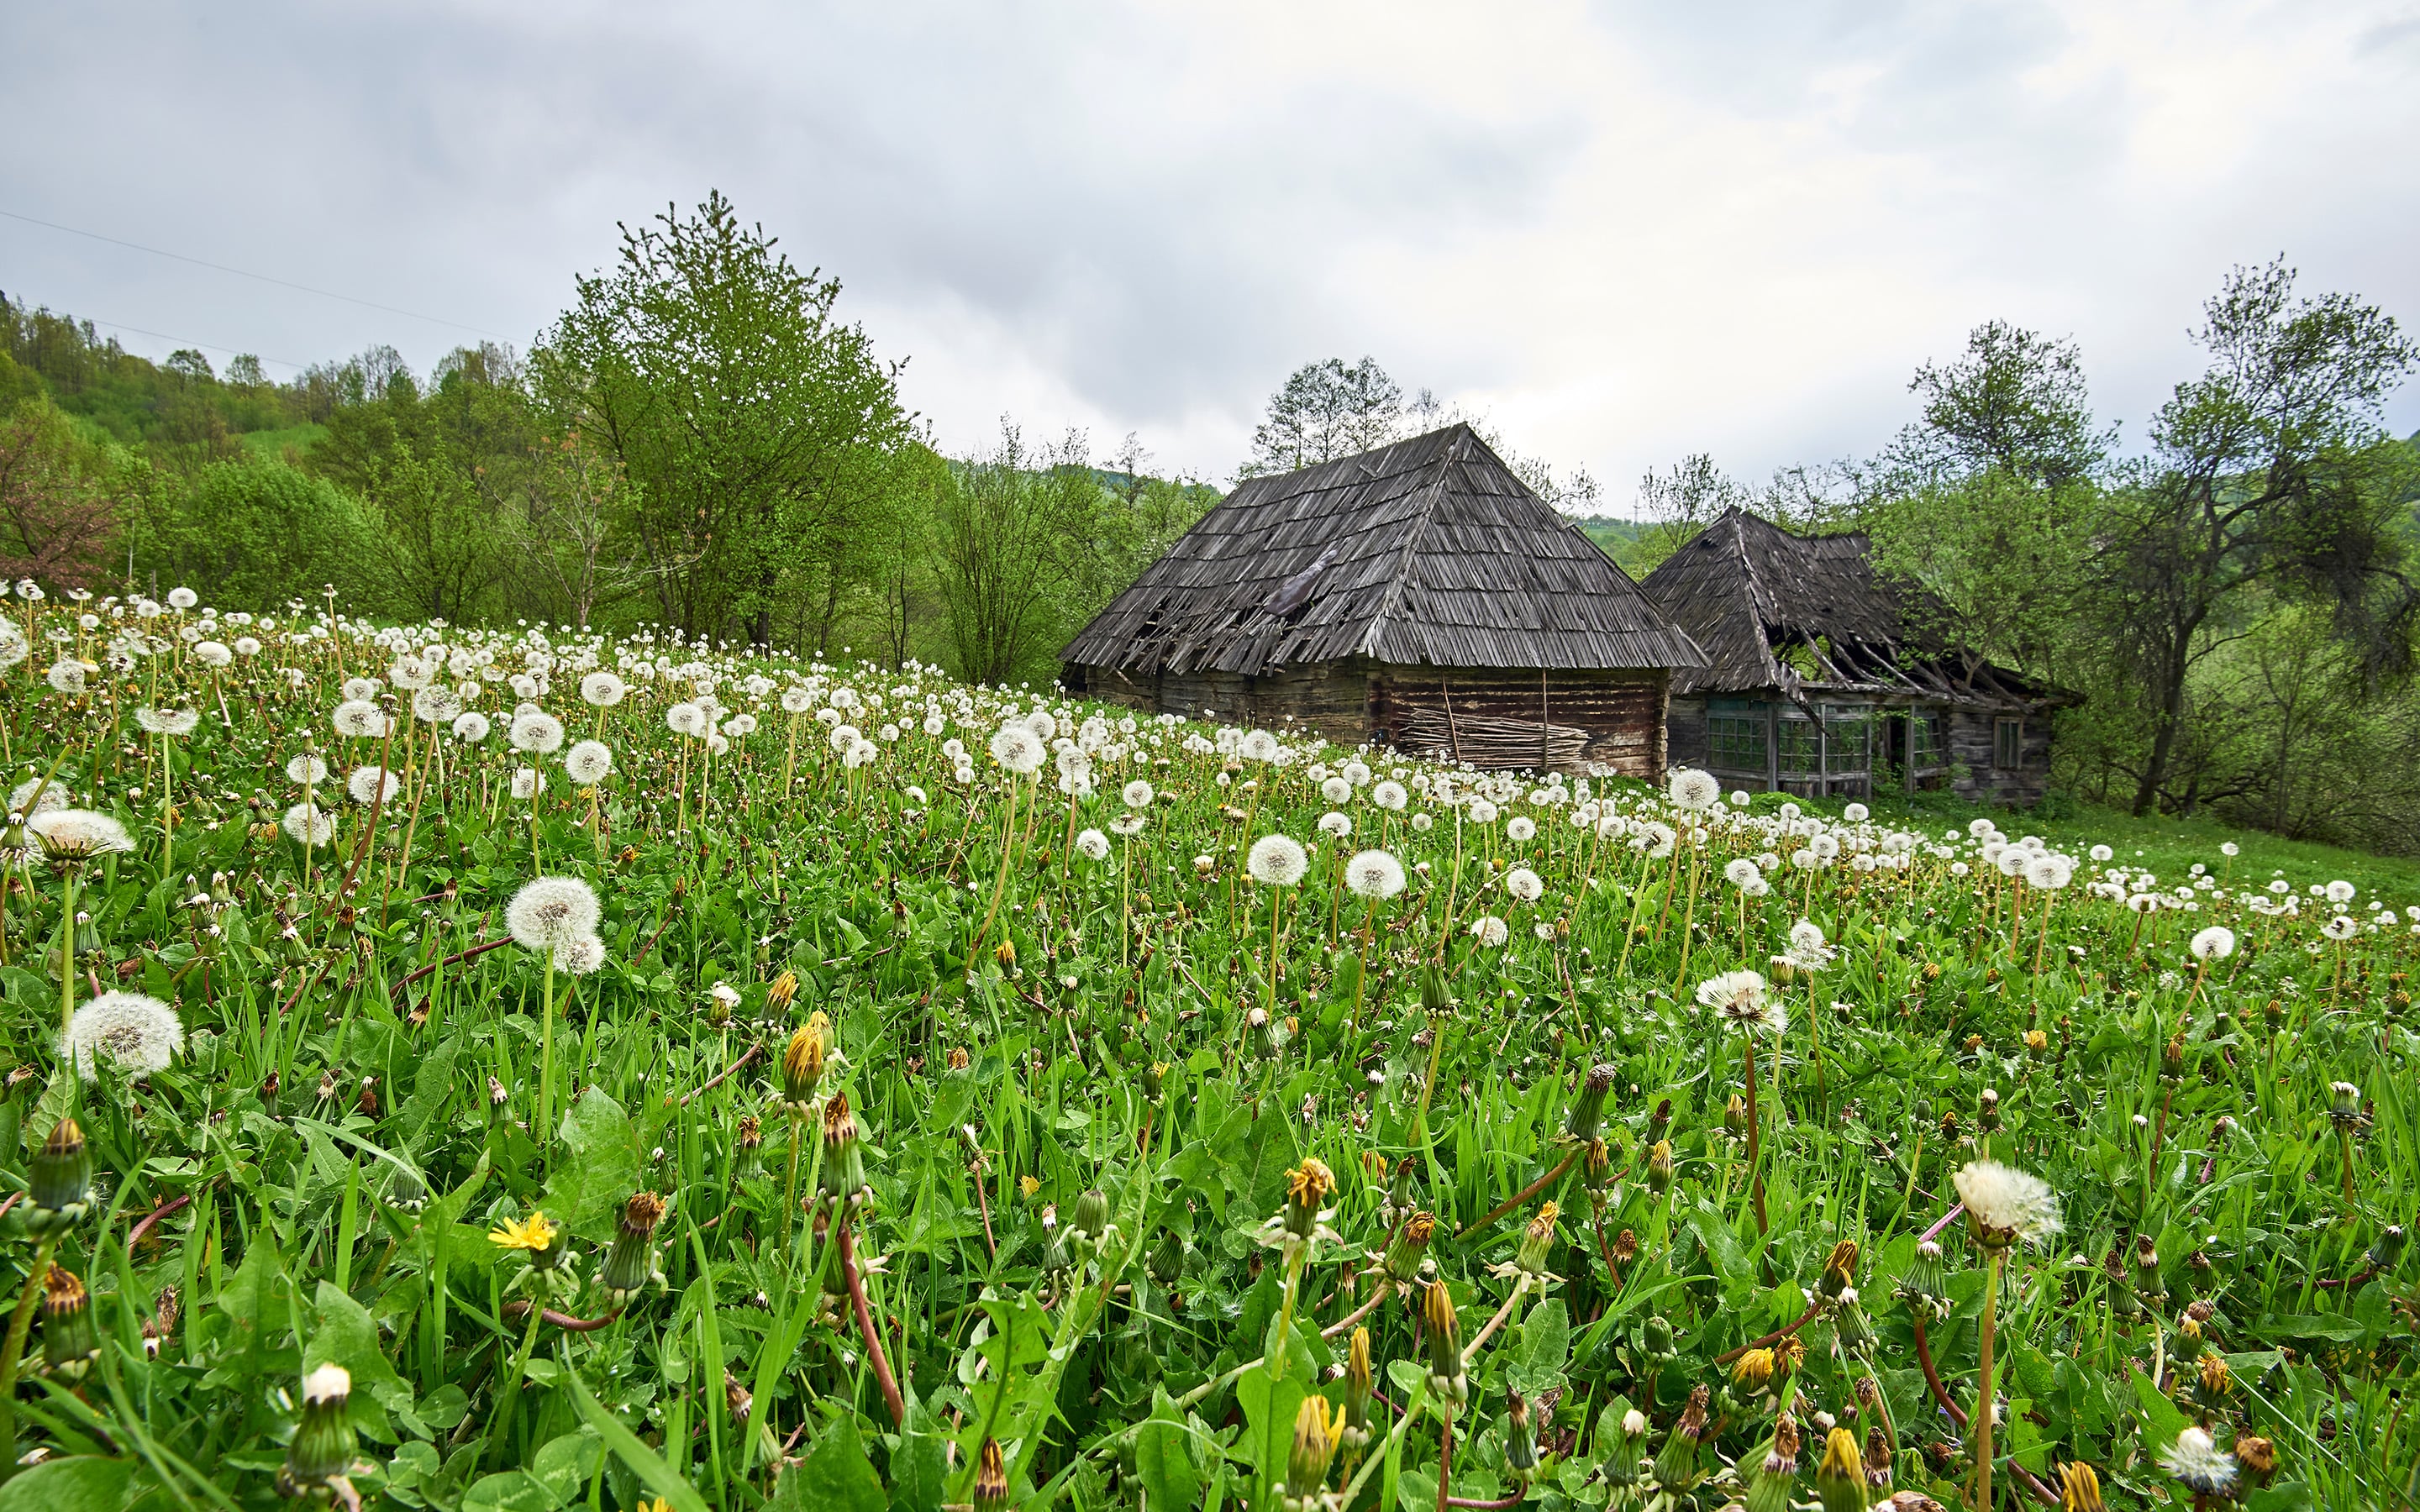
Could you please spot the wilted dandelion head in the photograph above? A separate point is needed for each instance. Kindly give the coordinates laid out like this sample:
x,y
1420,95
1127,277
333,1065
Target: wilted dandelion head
x,y
309,825
602,689
1375,874
1093,845
359,719
1277,861
1389,796
372,783
536,731
2215,943
71,835
551,914
1018,749
1137,793
2006,1205
470,727
134,1033
1692,789
1523,885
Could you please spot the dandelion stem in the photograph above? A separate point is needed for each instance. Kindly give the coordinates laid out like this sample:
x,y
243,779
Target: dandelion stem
x,y
15,1352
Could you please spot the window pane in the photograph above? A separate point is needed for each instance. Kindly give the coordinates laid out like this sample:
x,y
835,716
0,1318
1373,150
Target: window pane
x,y
1844,738
1797,745
1735,743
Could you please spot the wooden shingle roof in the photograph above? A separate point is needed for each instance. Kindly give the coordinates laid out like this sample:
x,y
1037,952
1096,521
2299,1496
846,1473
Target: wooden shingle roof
x,y
1746,590
1428,552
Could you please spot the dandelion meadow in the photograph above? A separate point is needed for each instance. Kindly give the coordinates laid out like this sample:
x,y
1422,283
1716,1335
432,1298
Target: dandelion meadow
x,y
517,1069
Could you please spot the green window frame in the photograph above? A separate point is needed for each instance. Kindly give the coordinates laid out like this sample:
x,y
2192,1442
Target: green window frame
x,y
1796,741
1845,740
1735,742
2008,744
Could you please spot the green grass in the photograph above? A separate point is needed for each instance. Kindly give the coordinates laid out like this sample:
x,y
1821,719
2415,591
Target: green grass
x,y
274,443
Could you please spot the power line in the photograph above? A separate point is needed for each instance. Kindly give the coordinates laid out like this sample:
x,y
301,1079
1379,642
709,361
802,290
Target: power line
x,y
184,341
239,273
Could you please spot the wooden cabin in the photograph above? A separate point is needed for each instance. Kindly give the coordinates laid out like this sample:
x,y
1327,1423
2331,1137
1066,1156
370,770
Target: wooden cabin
x,y
1419,595
1822,682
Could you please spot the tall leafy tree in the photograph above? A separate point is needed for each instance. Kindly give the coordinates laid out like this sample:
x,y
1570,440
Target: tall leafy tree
x,y
753,422
1326,409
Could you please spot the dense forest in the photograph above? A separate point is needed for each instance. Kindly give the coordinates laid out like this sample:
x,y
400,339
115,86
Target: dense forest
x,y
702,443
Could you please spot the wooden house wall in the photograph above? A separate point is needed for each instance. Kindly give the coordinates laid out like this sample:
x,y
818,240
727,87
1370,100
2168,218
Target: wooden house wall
x,y
1971,739
1350,702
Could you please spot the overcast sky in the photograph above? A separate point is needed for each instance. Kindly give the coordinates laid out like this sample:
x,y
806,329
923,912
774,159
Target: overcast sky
x,y
1625,232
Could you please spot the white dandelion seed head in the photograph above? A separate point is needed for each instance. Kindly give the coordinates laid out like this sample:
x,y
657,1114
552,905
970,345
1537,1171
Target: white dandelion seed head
x,y
1019,748
685,718
2008,1201
359,719
358,689
1490,932
1742,874
437,704
1375,874
2215,943
65,675
1137,793
78,834
2049,873
582,956
842,737
470,727
739,726
409,673
1519,828
213,653
2196,1459
1389,796
135,1033
536,731
1855,813
1692,789
1806,935
1422,821
602,689
861,753
54,797
1481,812
588,762
2341,893
796,699
309,825
1093,845
1127,824
2342,927
1258,745
1525,885
182,598
551,914
1336,790
328,1383
2100,852
1743,999
528,782
1277,861
1333,823
372,783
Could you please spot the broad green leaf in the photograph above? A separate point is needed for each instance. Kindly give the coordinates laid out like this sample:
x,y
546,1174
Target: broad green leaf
x,y
511,1491
1164,1460
644,1462
81,1483
1539,1352
567,1464
598,1168
836,1475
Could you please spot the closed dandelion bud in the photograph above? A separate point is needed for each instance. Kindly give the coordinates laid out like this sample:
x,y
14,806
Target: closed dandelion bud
x,y
1314,1448
1006,954
1520,1437
1839,1269
991,1478
2148,1284
1841,1478
2189,1341
1155,1080
2037,1044
1660,1122
60,1179
1307,1189
1656,1340
1879,1449
779,992
1434,998
1735,1116
2213,1382
2388,1250
323,1447
1399,1186
1409,1246
69,1344
1442,1331
1537,1238
1659,1167
844,1171
1623,1437
631,1259
1778,1475
747,1163
1854,1329
1987,1112
2343,1104
1923,1282
802,1065
1090,1215
1677,1465
2079,1488
1360,1380
1596,1164
1587,1107
1167,1262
